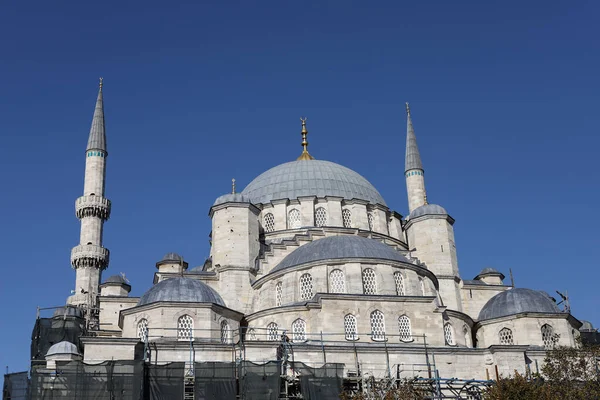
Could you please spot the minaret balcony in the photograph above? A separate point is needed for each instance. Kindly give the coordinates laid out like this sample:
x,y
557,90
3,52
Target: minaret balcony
x,y
92,206
89,255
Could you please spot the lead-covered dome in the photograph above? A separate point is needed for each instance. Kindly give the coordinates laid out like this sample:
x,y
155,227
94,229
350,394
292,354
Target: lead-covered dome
x,y
181,290
338,247
310,178
516,301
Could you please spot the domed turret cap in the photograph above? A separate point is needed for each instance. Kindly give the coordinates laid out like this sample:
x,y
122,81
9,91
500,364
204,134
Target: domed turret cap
x,y
172,258
517,301
63,347
182,290
488,271
231,198
428,209
586,327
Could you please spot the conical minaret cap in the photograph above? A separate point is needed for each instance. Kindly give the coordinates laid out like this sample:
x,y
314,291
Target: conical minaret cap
x,y
413,158
97,139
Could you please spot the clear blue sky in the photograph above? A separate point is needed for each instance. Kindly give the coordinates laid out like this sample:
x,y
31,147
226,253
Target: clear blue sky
x,y
504,99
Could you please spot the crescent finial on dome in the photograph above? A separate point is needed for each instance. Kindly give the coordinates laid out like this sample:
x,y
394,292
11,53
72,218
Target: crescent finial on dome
x,y
305,155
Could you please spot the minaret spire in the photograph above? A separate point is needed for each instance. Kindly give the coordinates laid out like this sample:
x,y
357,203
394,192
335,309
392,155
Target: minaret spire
x,y
90,258
413,168
304,155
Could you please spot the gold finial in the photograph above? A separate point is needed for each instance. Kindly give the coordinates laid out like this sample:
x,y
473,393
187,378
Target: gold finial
x,y
233,186
407,108
101,82
304,155
425,198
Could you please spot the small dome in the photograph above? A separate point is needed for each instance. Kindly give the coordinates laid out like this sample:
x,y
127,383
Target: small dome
x,y
69,311
231,198
116,279
516,301
427,209
63,347
336,247
181,290
310,178
587,327
488,271
172,257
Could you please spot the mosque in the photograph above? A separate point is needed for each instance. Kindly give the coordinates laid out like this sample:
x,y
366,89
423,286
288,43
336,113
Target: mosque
x,y
309,254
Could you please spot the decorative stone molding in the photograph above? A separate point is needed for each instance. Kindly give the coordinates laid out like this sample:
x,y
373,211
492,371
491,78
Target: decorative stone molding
x,y
92,206
89,255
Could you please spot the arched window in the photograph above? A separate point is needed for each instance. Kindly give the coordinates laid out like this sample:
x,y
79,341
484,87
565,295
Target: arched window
x,y
371,220
337,281
506,336
225,332
306,287
369,281
347,218
278,294
422,286
294,221
350,327
272,331
320,217
548,336
399,280
269,222
185,327
251,334
467,336
142,330
449,334
404,328
377,325
299,330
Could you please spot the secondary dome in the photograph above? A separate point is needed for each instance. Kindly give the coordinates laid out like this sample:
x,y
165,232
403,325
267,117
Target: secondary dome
x,y
310,178
428,209
181,290
336,247
516,301
63,347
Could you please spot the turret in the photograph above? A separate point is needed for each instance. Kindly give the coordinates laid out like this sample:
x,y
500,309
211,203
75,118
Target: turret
x,y
90,258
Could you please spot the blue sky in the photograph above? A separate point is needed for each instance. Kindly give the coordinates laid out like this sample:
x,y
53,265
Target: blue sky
x,y
504,99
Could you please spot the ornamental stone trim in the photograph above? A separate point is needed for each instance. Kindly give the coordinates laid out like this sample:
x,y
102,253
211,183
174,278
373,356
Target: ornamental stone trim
x,y
89,255
93,206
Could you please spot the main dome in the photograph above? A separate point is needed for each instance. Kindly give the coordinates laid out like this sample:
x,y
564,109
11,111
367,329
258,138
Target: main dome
x,y
310,178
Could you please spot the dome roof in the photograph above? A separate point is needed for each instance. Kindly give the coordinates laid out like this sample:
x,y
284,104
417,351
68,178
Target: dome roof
x,y
586,326
231,198
172,257
116,279
428,209
516,301
181,290
63,347
487,271
310,178
336,247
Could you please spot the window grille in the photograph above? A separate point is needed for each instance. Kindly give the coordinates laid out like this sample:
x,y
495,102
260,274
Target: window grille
x,y
506,336
449,334
350,327
377,325
369,281
142,330
251,334
370,219
422,285
320,217
225,332
347,218
404,328
294,221
299,330
185,327
399,280
269,222
548,336
306,287
278,294
272,331
337,281
467,336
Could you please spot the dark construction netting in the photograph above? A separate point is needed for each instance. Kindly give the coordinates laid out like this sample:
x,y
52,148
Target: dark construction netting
x,y
215,381
259,381
165,382
49,331
15,386
323,383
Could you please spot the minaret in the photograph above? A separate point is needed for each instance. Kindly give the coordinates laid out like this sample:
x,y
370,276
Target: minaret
x,y
89,258
413,169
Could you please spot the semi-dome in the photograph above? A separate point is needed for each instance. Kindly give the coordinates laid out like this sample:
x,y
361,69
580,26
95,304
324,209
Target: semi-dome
x,y
310,178
63,347
337,247
181,290
428,209
516,301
